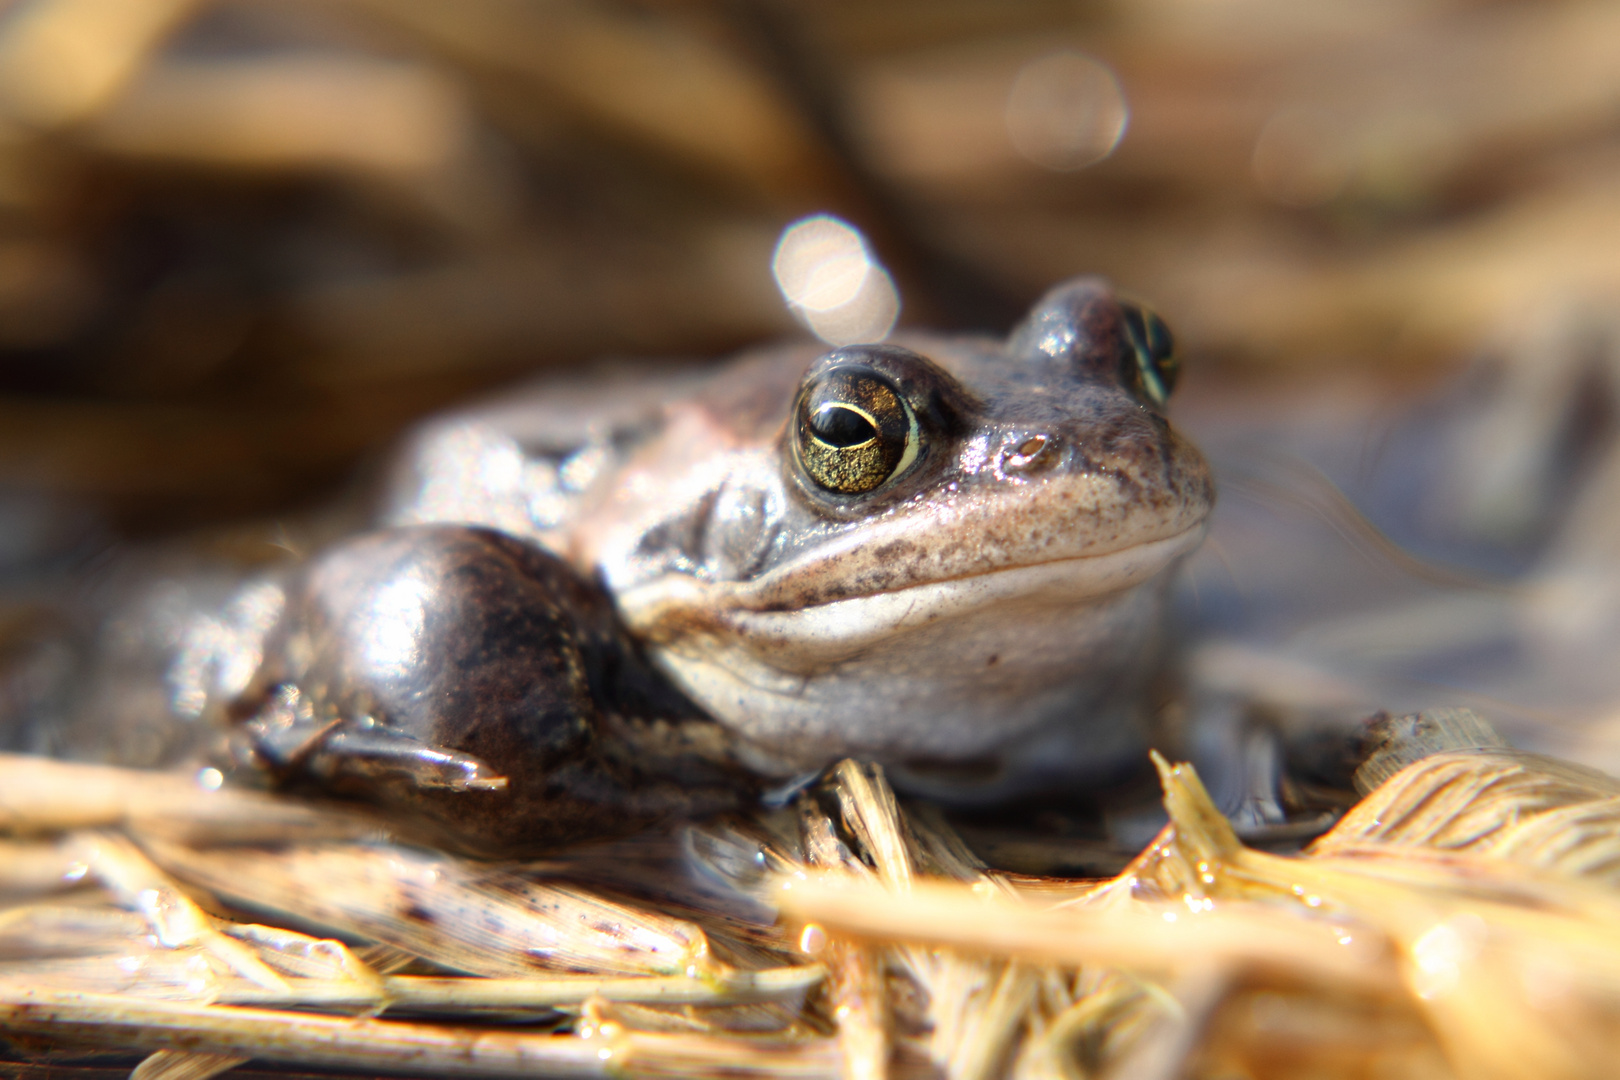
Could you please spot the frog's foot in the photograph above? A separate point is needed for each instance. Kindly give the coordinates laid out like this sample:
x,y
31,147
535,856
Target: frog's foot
x,y
359,754
472,682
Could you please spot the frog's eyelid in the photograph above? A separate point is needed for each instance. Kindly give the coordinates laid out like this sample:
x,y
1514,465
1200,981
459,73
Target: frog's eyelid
x,y
913,440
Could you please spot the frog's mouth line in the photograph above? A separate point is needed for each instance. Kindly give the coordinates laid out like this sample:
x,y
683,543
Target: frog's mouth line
x,y
852,623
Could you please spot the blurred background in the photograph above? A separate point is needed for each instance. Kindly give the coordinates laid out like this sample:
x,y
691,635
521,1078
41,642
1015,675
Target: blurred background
x,y
243,242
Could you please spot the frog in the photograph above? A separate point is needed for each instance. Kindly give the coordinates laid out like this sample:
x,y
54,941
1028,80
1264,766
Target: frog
x,y
605,601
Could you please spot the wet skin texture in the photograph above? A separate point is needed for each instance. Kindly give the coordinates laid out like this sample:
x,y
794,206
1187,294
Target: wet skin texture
x,y
948,555
479,682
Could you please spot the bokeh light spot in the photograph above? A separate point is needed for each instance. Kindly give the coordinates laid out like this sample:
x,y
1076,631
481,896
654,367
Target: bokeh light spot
x,y
1066,110
832,282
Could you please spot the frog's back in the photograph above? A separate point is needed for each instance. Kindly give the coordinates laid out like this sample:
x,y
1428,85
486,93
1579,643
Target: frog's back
x,y
532,461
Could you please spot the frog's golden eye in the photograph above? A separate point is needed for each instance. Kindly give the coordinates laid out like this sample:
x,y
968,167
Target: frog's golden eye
x,y
853,432
1153,367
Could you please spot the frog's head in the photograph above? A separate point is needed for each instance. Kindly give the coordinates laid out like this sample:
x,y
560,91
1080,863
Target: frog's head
x,y
932,549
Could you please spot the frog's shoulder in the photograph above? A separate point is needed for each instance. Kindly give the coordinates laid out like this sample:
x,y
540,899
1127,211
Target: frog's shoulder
x,y
529,461
522,461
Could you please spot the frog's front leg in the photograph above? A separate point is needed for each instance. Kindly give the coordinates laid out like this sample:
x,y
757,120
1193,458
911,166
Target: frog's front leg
x,y
472,680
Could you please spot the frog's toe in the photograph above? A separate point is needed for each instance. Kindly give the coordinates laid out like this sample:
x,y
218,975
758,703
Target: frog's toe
x,y
287,741
377,756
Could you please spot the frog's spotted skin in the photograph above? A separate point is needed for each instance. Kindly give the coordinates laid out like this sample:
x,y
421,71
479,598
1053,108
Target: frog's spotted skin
x,y
996,599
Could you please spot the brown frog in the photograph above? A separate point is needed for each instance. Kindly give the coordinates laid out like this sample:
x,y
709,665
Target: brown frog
x,y
602,600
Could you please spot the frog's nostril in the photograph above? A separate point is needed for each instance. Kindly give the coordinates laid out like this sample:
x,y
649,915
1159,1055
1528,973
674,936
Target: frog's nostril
x,y
1033,454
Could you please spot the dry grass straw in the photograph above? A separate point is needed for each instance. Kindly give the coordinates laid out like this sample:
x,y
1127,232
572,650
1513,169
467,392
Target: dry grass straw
x,y
1459,922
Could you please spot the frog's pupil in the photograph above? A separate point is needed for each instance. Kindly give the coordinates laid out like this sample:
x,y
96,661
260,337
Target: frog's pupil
x,y
839,425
